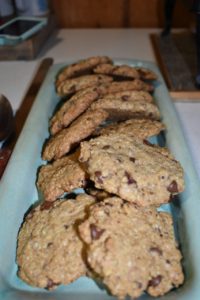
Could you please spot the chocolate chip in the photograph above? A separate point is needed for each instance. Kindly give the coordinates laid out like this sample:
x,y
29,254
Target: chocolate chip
x,y
109,204
173,187
155,281
139,284
130,178
150,115
51,284
146,142
125,97
49,244
132,159
95,232
72,89
106,147
156,250
46,205
66,226
99,176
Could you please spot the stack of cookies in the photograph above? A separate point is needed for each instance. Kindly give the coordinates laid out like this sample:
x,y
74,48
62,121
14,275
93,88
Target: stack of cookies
x,y
113,231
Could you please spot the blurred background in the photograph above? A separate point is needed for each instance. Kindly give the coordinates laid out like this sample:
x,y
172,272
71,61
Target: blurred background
x,y
119,13
104,13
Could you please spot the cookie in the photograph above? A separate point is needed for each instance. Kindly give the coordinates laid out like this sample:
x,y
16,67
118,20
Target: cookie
x,y
81,67
132,169
146,74
63,175
117,70
71,86
49,251
132,249
72,108
125,71
132,95
123,109
120,86
142,128
65,140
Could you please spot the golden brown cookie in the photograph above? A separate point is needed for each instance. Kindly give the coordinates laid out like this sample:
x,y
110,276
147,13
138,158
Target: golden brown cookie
x,y
65,140
72,108
63,175
131,95
132,249
132,169
81,67
142,128
125,71
124,109
73,85
49,251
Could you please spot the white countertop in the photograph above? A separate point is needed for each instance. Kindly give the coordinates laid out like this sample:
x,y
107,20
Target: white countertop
x,y
73,44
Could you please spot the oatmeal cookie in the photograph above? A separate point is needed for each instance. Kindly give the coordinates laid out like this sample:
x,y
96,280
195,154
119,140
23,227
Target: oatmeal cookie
x,y
131,95
130,85
142,128
73,85
117,70
125,71
63,175
81,67
61,143
72,108
132,249
132,169
123,109
146,74
49,251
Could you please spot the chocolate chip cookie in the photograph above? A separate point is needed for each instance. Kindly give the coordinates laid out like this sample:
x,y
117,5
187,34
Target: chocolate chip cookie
x,y
142,128
63,175
81,67
146,74
130,85
117,70
132,95
123,109
132,169
70,86
49,251
72,108
125,71
132,249
61,143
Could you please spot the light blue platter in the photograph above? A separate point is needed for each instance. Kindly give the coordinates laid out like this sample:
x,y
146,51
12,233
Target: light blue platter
x,y
18,193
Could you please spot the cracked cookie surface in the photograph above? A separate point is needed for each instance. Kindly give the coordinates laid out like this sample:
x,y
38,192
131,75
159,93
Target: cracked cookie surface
x,y
49,251
81,67
123,109
73,85
125,71
142,128
61,143
72,108
132,249
63,175
132,169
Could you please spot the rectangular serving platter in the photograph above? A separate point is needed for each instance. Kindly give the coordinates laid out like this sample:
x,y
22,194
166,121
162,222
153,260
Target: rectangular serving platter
x,y
18,193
